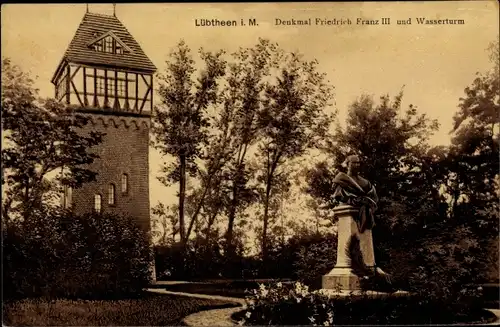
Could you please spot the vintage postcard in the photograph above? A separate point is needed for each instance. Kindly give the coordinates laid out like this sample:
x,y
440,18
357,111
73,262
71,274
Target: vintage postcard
x,y
291,163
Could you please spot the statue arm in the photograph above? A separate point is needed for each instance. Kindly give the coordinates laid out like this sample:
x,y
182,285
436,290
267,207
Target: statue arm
x,y
373,197
338,195
341,195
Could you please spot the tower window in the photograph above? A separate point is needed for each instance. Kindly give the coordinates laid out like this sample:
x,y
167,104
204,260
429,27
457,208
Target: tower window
x,y
121,87
108,44
98,47
100,85
111,86
124,184
111,194
97,203
119,84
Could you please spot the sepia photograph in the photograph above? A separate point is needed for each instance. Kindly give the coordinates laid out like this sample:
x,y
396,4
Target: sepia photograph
x,y
250,164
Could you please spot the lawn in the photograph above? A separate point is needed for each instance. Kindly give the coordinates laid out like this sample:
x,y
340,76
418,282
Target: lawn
x,y
149,310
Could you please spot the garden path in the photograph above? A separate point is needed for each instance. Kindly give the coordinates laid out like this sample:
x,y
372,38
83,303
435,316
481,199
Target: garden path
x,y
215,317
497,313
199,296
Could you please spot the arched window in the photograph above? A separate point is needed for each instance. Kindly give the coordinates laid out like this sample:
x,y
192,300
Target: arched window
x,y
97,203
111,194
124,183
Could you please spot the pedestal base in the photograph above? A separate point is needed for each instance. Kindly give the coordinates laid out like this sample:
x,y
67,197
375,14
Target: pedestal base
x,y
361,294
342,282
341,278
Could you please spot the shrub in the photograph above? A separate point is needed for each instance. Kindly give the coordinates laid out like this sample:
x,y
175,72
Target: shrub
x,y
437,256
56,254
169,261
442,262
199,259
286,305
315,257
296,305
305,257
202,259
447,269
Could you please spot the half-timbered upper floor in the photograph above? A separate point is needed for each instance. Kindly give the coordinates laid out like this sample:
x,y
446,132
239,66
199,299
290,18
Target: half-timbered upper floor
x,y
105,68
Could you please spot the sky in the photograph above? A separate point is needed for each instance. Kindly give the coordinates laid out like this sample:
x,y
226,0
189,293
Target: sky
x,y
433,62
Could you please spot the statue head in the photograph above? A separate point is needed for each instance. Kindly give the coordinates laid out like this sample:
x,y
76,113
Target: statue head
x,y
352,163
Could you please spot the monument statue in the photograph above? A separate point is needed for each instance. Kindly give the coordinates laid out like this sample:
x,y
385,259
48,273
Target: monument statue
x,y
356,201
354,190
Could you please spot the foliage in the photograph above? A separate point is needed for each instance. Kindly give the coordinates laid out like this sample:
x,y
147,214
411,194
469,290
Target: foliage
x,y
165,221
432,199
392,145
315,257
386,138
296,305
179,122
60,149
238,131
147,310
448,266
57,254
473,160
286,305
293,120
305,257
258,99
234,129
199,258
267,110
474,154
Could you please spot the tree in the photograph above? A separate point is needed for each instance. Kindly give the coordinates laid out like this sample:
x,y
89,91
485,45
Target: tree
x,y
396,158
474,153
166,223
232,136
292,121
179,123
242,102
42,138
388,141
473,161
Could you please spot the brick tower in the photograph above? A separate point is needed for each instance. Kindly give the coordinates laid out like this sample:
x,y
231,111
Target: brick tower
x,y
105,75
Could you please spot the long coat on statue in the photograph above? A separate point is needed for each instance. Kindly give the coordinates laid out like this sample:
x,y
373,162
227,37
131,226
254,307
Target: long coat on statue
x,y
358,193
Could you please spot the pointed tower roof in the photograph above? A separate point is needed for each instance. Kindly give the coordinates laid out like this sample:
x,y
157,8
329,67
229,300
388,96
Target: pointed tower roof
x,y
95,26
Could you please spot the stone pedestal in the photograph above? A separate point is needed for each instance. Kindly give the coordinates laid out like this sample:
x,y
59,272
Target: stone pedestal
x,y
341,275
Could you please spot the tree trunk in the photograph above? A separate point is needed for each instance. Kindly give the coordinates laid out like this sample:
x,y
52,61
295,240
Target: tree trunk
x,y
211,221
211,174
164,236
266,218
200,205
230,224
182,195
237,182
